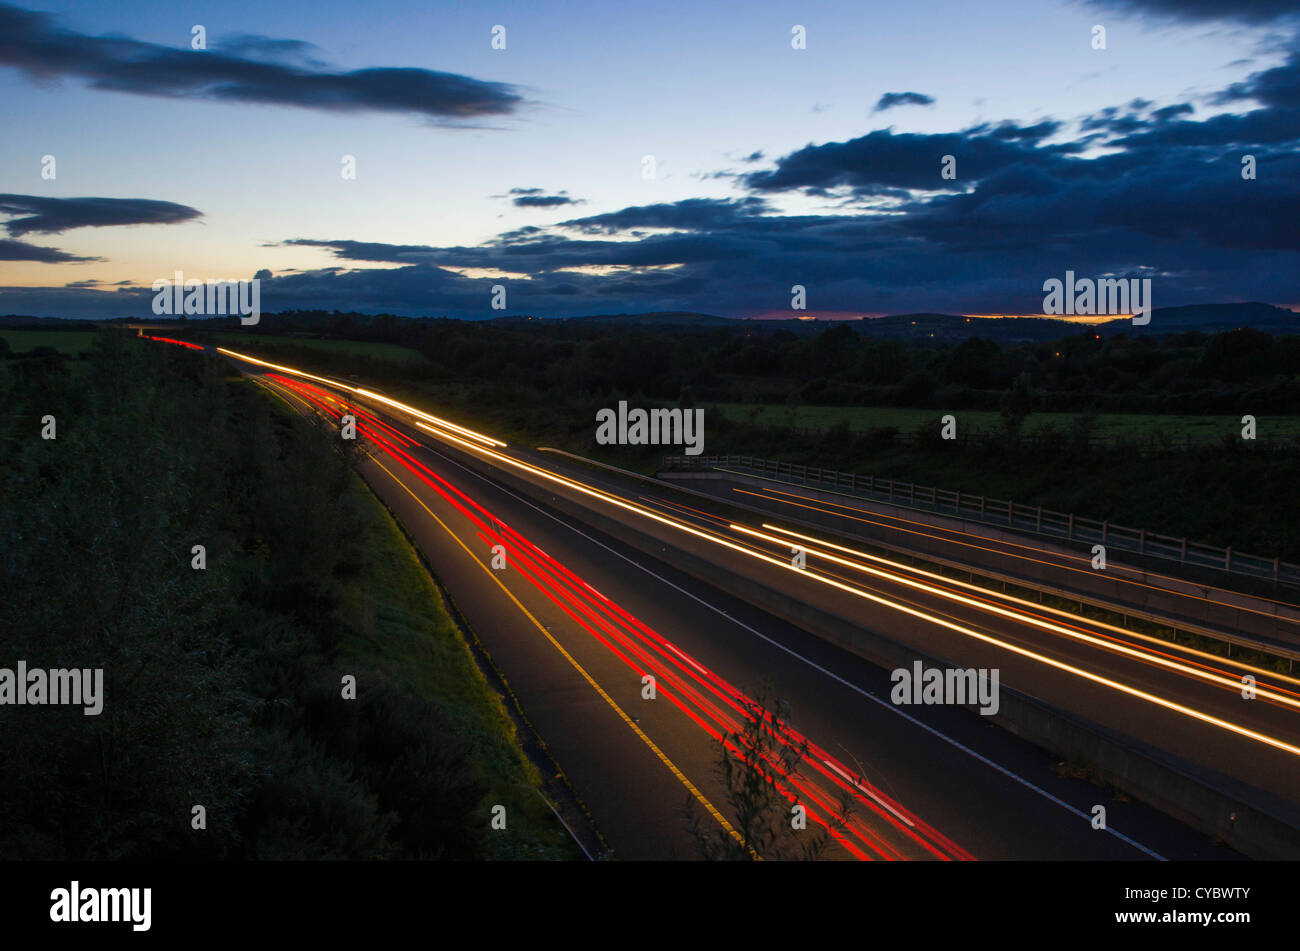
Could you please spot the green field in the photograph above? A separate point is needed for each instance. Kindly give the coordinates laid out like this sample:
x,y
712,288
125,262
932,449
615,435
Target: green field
x,y
268,343
72,342
862,418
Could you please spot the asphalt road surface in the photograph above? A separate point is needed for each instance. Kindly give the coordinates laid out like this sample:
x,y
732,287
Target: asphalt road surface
x,y
575,620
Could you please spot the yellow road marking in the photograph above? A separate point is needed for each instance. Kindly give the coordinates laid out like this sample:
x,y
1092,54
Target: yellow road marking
x,y
663,757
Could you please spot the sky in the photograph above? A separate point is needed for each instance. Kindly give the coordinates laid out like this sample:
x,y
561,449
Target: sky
x,y
623,158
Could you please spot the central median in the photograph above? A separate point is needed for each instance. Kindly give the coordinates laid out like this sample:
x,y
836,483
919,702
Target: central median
x,y
1253,821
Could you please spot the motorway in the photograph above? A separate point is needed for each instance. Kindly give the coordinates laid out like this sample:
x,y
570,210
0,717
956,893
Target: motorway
x,y
576,619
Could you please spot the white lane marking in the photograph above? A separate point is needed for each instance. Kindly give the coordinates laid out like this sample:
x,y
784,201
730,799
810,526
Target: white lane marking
x,y
1087,817
867,792
684,656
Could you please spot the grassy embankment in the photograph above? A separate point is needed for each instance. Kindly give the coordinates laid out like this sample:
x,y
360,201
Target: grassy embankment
x,y
223,685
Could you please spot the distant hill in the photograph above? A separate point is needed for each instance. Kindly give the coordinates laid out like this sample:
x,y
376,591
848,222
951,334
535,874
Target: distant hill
x,y
1211,319
45,323
663,319
948,327
926,326
1205,318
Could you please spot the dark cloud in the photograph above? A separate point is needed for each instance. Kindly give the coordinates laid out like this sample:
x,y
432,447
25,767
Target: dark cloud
x,y
1274,127
54,215
545,201
1014,132
1165,199
11,250
369,250
1254,12
1160,196
251,45
887,160
538,198
892,100
1278,87
696,214
1176,111
34,44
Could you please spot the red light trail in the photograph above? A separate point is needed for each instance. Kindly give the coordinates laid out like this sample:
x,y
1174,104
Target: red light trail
x,y
707,699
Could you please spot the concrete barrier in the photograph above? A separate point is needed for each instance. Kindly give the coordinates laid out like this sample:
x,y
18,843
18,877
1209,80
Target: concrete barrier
x,y
1249,820
1242,620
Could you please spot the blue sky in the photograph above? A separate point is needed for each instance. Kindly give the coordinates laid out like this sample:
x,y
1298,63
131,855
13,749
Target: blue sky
x,y
837,200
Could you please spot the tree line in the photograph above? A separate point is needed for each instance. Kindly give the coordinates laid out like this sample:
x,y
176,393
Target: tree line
x,y
842,364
